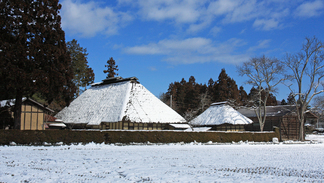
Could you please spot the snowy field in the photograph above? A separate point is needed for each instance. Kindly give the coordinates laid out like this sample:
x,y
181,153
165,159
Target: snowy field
x,y
164,163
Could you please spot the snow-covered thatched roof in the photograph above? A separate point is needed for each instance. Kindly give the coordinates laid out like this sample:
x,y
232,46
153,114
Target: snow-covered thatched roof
x,y
220,113
117,99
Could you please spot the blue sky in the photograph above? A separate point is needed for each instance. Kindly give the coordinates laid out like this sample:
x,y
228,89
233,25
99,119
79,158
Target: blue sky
x,y
162,41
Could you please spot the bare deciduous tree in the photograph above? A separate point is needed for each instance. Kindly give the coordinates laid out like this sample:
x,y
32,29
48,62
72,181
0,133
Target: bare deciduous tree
x,y
189,114
306,66
319,109
264,73
204,101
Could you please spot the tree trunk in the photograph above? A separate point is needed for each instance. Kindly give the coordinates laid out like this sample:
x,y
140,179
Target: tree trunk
x,y
301,132
301,128
261,126
300,118
17,110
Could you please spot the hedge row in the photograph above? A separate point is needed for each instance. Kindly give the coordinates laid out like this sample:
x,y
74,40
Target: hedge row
x,y
71,137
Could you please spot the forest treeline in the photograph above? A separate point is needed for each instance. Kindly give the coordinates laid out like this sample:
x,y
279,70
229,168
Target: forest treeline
x,y
190,98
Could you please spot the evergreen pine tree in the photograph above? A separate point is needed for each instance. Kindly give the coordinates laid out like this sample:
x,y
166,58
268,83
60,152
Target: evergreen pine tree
x,y
33,52
283,102
234,94
111,68
83,74
243,96
181,97
272,100
192,94
226,88
253,97
291,99
210,89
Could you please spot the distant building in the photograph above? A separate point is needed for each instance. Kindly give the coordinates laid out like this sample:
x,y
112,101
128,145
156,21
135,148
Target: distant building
x,y
52,123
282,116
120,103
221,117
33,114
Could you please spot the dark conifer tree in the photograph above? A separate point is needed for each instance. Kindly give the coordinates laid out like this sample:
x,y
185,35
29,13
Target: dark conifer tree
x,y
111,68
272,100
226,88
169,95
83,74
254,99
243,96
283,102
291,99
234,92
202,88
33,52
191,98
210,87
192,94
181,95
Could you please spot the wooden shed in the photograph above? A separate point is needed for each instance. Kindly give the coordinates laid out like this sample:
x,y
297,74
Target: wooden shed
x,y
283,117
32,113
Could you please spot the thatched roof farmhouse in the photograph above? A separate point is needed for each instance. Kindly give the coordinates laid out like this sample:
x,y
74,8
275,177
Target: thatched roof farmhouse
x,y
119,103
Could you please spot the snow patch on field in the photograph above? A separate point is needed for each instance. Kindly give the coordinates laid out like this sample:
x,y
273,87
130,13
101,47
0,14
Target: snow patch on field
x,y
180,162
315,138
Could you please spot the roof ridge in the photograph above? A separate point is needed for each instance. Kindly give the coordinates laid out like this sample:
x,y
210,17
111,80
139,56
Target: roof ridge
x,y
115,80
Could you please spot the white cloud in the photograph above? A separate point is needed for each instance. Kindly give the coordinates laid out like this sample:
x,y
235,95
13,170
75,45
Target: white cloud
x,y
266,24
192,50
215,30
89,19
151,49
192,16
193,28
266,15
187,11
195,16
280,14
222,7
244,11
261,44
310,9
170,46
243,31
201,14
152,68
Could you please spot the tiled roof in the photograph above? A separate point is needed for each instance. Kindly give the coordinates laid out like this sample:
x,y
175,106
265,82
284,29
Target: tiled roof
x,y
279,110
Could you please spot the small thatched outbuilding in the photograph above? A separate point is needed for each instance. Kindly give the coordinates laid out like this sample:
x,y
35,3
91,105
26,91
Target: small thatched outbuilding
x,y
221,117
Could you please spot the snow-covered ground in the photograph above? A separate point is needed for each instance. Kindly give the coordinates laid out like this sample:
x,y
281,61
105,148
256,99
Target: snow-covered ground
x,y
164,163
